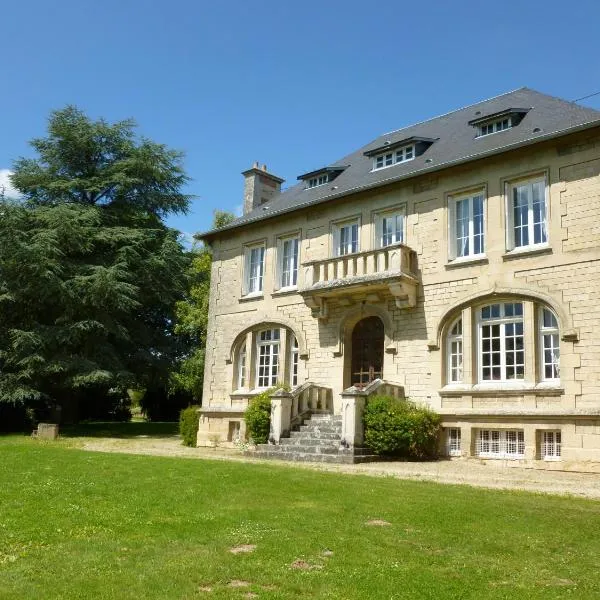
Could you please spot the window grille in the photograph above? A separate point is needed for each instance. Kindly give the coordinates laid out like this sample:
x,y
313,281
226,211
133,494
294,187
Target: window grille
x,y
501,443
551,445
453,441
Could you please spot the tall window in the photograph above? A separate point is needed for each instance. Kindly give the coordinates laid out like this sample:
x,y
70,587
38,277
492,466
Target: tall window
x,y
289,262
551,445
455,353
268,358
294,356
502,350
550,344
255,266
527,220
346,238
467,236
453,441
389,228
242,368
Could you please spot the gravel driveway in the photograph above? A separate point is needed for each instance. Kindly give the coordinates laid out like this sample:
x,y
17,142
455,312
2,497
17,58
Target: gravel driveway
x,y
488,474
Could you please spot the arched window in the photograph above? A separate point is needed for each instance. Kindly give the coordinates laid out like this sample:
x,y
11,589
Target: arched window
x,y
513,341
455,352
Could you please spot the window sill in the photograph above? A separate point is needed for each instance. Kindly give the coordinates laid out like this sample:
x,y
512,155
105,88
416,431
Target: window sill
x,y
527,251
467,262
285,291
502,389
251,297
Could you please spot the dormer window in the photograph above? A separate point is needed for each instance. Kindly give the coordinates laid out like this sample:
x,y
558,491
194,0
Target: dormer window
x,y
397,152
393,158
497,122
321,176
317,181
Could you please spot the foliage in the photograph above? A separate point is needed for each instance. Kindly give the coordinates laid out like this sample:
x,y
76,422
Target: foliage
x,y
90,273
258,417
400,428
192,317
160,403
15,417
188,425
99,525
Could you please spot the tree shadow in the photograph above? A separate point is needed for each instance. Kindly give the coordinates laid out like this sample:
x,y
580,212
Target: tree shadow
x,y
130,429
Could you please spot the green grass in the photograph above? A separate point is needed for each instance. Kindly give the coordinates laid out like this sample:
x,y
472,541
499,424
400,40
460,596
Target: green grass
x,y
76,524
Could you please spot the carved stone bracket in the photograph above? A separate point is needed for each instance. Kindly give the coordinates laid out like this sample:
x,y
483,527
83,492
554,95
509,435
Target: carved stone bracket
x,y
404,292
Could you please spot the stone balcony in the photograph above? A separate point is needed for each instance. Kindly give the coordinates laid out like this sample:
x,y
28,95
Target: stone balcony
x,y
370,276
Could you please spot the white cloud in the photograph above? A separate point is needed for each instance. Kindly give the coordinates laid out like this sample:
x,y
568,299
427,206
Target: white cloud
x,y
9,190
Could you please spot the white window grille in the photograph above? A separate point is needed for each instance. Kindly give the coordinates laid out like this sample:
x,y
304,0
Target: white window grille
x,y
453,441
527,215
455,352
268,358
550,345
495,126
294,358
501,342
501,443
317,181
346,238
255,266
466,226
388,159
242,368
289,262
551,445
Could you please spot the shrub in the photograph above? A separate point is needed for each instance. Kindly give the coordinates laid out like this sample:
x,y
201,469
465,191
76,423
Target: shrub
x,y
258,417
188,425
400,428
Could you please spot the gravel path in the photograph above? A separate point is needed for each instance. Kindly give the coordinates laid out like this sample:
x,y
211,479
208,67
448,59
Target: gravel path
x,y
488,474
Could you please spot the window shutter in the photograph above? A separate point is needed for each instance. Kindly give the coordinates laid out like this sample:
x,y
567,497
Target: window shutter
x,y
335,251
451,228
510,224
279,264
378,231
245,271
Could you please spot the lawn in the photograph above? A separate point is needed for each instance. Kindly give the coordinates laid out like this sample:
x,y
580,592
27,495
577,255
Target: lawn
x,y
76,524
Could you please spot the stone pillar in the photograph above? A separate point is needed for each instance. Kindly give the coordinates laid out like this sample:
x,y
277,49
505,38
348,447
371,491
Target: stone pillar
x,y
353,408
281,416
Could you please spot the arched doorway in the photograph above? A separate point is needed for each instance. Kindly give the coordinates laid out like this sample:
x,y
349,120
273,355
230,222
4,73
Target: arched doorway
x,y
367,351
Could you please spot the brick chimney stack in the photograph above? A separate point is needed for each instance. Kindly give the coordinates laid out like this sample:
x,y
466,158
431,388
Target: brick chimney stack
x,y
260,186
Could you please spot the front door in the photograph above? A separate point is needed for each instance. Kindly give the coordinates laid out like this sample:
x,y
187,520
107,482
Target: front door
x,y
367,351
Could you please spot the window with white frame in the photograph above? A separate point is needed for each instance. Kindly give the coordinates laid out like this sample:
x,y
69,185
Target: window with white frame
x,y
550,445
455,352
550,345
466,226
288,251
345,238
527,223
294,359
242,368
495,126
501,443
254,269
389,228
267,365
393,157
501,342
317,181
453,441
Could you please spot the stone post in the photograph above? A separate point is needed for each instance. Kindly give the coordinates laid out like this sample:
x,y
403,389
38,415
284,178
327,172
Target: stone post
x,y
281,415
353,408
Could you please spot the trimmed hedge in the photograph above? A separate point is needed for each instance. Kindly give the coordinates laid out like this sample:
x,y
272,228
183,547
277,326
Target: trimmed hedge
x,y
258,417
188,425
400,428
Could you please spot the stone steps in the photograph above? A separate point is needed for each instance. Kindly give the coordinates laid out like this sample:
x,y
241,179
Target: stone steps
x,y
317,440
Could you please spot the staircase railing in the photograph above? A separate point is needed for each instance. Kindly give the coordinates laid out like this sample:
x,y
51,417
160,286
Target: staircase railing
x,y
289,409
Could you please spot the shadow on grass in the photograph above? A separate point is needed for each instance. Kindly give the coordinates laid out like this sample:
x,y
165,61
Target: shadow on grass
x,y
132,429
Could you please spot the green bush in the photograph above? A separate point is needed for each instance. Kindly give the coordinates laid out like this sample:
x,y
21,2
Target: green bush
x,y
188,425
400,428
258,417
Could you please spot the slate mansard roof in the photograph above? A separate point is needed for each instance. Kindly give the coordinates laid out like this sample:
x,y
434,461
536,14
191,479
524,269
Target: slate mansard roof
x,y
456,142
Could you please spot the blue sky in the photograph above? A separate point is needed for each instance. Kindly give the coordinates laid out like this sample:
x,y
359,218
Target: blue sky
x,y
295,85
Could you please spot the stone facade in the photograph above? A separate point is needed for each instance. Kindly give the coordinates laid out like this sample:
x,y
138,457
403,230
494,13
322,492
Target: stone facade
x,y
562,276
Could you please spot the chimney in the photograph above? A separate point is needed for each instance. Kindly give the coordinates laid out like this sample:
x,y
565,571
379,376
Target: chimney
x,y
260,186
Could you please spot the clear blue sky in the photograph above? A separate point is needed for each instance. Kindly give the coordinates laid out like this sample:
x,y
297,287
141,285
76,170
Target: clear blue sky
x,y
295,85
